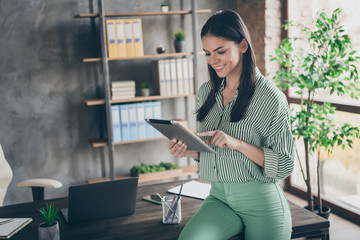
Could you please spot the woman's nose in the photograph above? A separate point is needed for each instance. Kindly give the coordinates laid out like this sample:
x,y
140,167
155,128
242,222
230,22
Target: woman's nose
x,y
212,59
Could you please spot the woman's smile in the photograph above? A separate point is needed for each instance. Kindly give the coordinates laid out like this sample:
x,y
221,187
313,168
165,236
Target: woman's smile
x,y
219,68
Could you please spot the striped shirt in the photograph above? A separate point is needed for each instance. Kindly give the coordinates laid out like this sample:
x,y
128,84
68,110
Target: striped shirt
x,y
266,125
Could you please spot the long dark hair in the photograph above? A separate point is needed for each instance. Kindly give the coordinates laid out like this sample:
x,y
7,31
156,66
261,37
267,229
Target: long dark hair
x,y
228,24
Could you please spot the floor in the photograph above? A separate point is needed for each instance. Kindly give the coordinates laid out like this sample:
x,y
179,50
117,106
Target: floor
x,y
340,229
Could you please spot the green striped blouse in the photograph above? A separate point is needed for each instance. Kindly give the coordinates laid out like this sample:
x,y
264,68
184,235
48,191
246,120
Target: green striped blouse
x,y
266,125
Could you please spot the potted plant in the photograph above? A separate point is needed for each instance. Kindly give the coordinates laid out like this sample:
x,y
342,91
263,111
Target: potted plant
x,y
179,41
49,229
325,62
164,7
145,90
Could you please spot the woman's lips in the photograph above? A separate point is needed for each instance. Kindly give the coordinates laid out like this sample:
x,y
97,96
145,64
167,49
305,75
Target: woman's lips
x,y
219,68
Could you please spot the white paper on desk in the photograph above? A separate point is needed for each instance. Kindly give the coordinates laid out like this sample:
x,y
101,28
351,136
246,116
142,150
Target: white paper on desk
x,y
193,189
9,229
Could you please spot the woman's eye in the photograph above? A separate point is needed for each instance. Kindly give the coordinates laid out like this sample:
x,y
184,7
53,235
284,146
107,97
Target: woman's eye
x,y
222,52
207,54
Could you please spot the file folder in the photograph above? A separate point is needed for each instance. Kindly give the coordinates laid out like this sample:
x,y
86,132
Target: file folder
x,y
138,38
159,77
174,88
129,43
124,119
120,38
115,117
167,77
179,76
186,75
133,122
191,76
111,38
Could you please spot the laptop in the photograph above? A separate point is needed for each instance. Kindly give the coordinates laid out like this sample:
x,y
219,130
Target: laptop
x,y
101,200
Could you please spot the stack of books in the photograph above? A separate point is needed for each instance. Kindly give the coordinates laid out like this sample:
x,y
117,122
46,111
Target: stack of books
x,y
122,89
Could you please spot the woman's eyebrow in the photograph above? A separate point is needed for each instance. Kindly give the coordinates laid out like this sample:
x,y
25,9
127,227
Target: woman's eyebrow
x,y
215,49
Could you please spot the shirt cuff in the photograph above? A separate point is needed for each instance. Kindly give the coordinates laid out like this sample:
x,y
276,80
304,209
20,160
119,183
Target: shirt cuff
x,y
270,163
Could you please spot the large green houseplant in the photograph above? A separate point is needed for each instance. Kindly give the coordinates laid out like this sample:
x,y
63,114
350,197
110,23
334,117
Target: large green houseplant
x,y
325,62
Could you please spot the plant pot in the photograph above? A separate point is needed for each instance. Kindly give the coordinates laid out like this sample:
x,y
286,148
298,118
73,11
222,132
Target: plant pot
x,y
145,92
49,233
164,8
179,46
325,211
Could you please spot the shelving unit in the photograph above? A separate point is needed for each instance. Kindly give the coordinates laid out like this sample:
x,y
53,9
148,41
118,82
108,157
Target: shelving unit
x,y
106,79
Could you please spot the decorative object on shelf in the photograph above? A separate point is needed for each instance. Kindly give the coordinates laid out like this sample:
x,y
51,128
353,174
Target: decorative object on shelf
x,y
160,49
50,228
325,63
164,7
145,90
179,41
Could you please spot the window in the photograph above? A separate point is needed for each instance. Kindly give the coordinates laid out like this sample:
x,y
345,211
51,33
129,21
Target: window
x,y
340,172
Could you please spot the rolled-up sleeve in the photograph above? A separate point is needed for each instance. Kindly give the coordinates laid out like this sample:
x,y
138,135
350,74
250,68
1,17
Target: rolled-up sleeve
x,y
279,148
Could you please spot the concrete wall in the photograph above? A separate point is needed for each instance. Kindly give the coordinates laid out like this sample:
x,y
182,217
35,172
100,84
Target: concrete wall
x,y
44,124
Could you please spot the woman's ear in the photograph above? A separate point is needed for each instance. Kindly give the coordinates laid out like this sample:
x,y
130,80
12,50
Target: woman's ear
x,y
244,45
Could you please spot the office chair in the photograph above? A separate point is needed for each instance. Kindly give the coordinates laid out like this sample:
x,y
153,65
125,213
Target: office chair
x,y
5,176
37,184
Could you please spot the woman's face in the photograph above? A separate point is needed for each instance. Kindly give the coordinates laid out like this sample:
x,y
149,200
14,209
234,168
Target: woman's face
x,y
224,56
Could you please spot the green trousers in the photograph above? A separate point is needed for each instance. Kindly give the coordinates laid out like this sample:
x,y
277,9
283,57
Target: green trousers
x,y
256,209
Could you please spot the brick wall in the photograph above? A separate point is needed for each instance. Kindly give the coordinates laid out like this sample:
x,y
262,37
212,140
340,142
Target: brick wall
x,y
253,14
272,34
263,18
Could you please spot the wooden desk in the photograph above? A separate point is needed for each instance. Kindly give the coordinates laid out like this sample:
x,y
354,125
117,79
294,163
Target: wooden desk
x,y
146,222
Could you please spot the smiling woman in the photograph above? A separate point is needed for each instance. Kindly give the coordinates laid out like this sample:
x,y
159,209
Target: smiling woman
x,y
245,119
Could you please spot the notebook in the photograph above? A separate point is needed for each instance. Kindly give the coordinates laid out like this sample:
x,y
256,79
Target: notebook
x,y
193,189
101,200
10,226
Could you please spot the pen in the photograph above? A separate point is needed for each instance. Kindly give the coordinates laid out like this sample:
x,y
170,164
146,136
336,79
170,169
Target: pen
x,y
167,205
176,203
6,221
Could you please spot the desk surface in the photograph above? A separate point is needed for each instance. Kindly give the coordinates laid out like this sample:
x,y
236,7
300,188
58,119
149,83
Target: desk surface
x,y
146,223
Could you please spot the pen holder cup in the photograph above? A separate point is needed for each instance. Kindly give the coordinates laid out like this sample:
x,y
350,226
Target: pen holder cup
x,y
171,208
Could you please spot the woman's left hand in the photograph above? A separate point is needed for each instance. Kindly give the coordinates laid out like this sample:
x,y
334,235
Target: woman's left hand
x,y
221,139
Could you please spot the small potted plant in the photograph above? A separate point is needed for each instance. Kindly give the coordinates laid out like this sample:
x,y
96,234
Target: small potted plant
x,y
49,229
145,90
164,7
179,41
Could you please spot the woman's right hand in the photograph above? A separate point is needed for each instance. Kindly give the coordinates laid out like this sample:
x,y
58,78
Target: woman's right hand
x,y
179,149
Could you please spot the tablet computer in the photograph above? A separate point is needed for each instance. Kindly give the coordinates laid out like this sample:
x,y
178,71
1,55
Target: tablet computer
x,y
173,129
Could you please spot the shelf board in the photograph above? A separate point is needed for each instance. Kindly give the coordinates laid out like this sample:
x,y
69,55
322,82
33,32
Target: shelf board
x,y
103,142
163,55
94,102
185,171
93,15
